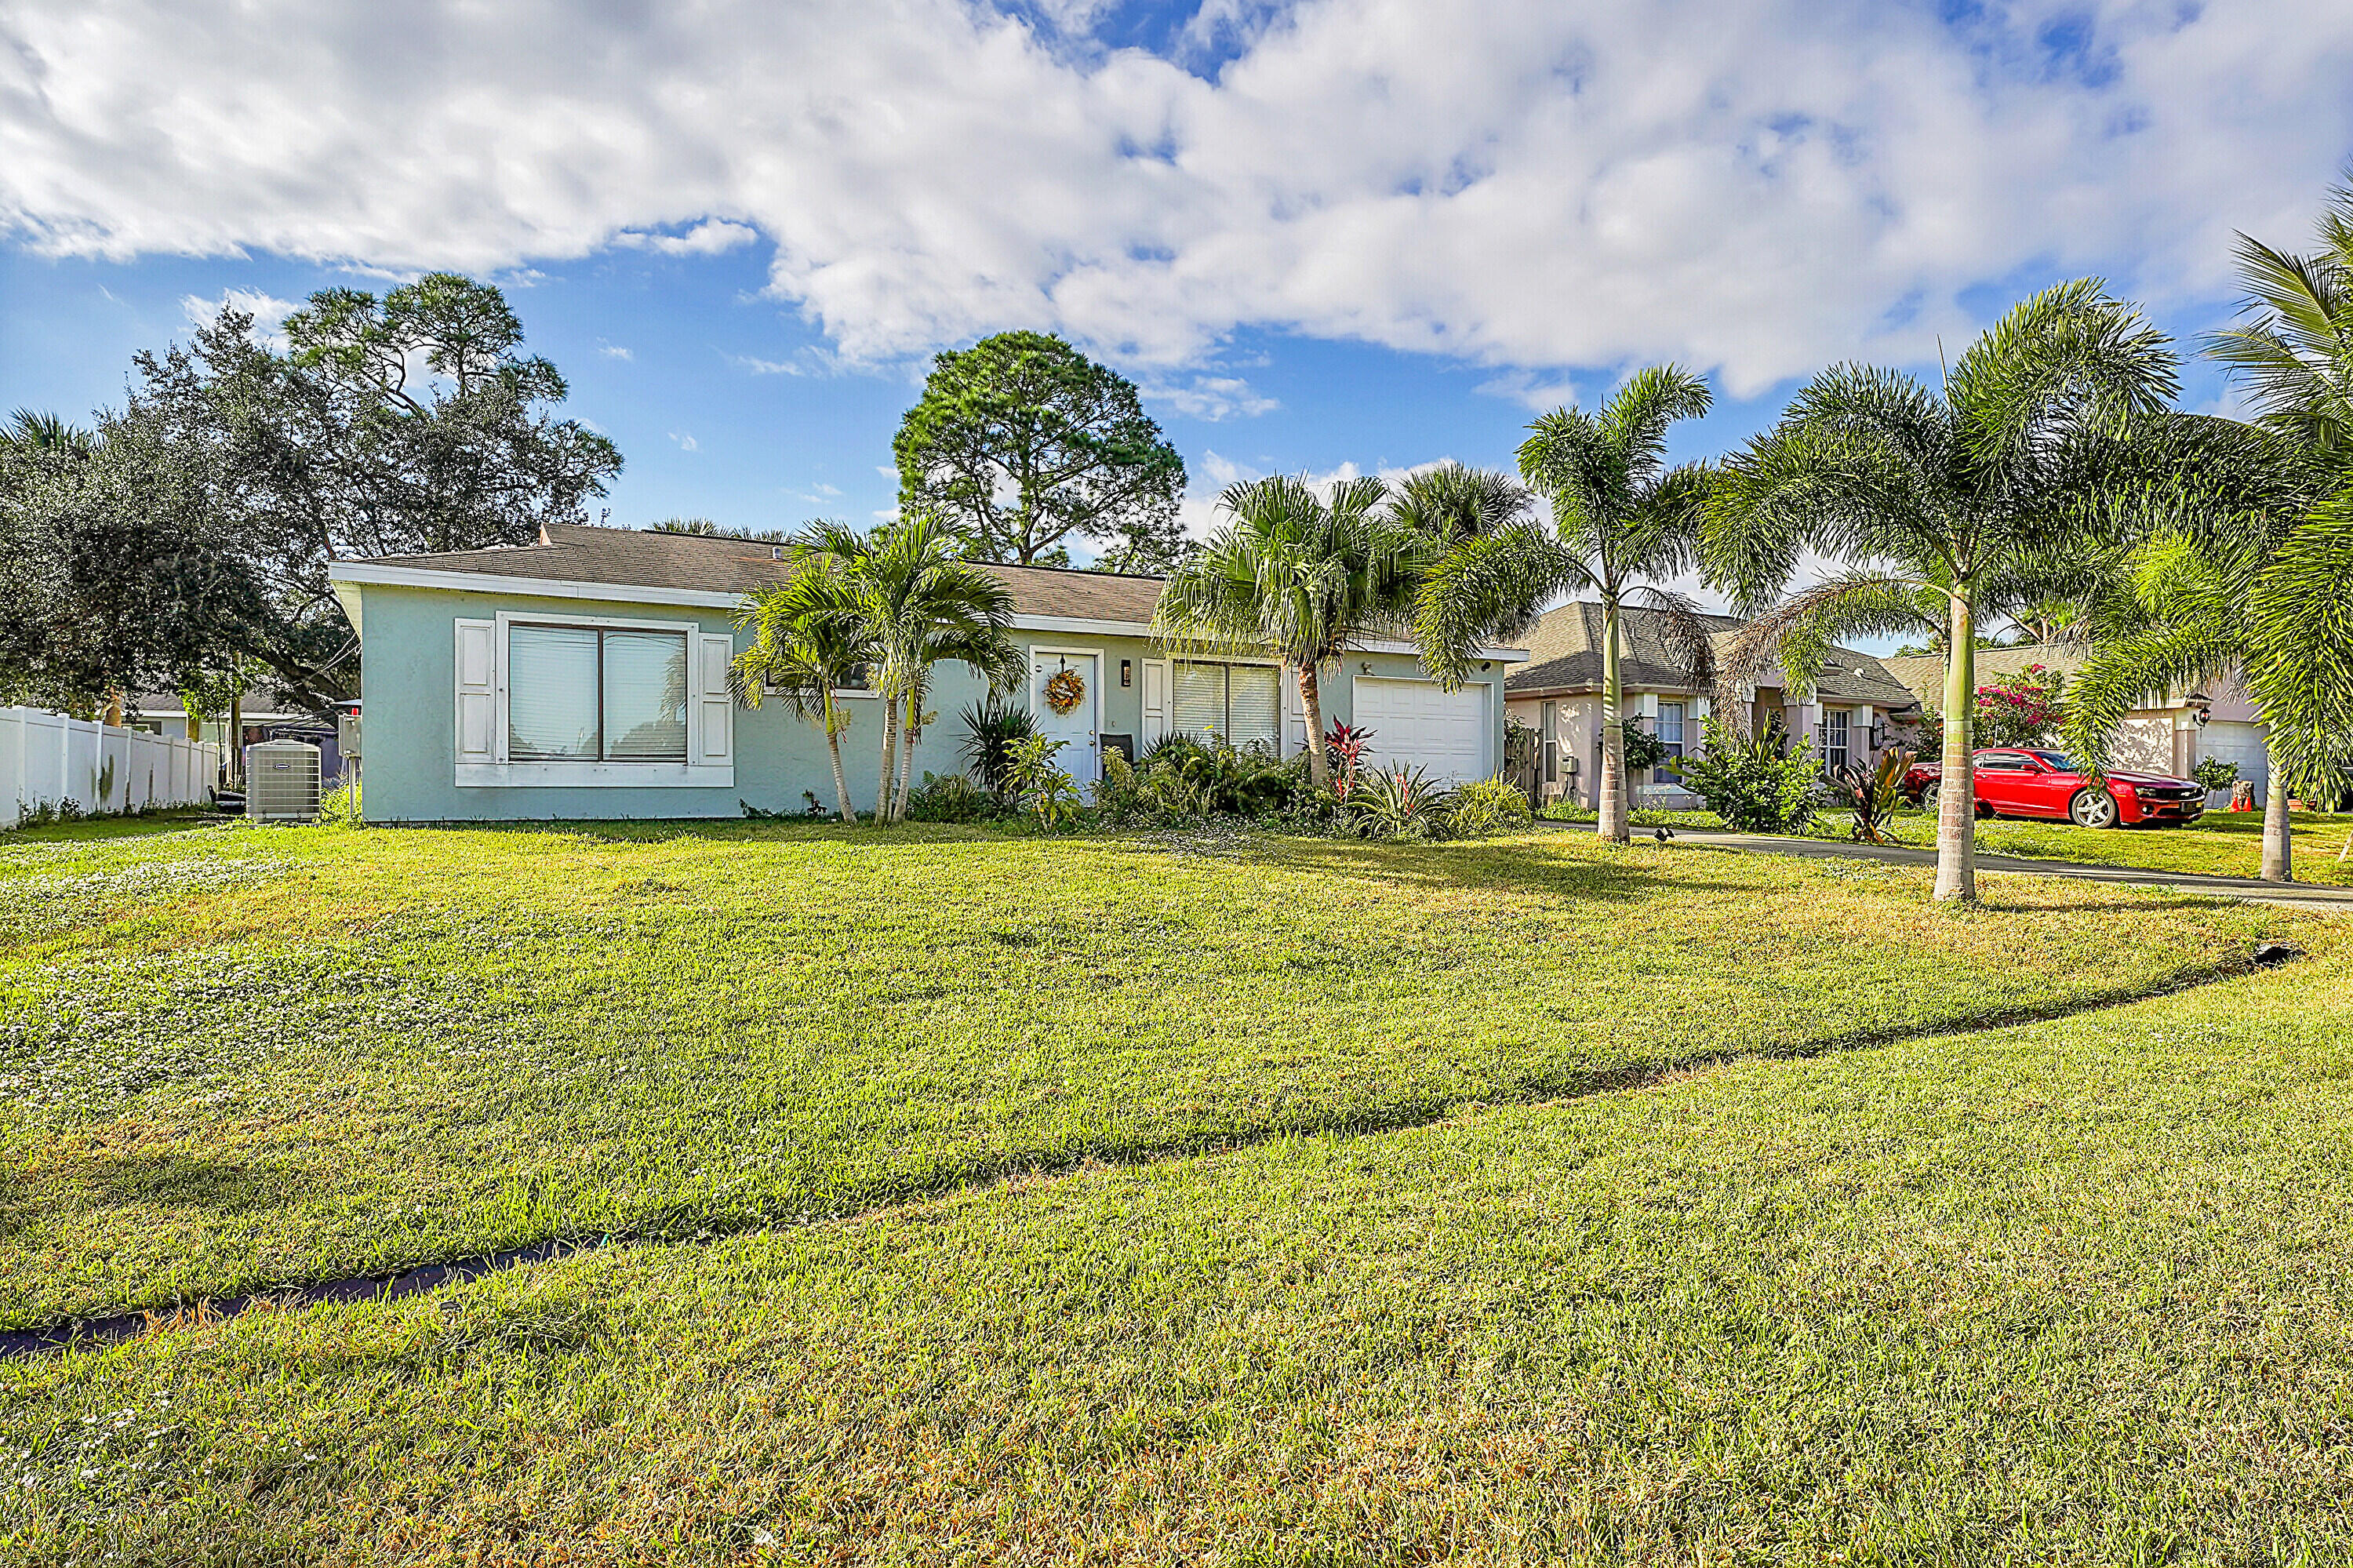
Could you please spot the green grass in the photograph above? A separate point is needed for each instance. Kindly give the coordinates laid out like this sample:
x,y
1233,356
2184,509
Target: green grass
x,y
233,1058
2220,843
2078,1292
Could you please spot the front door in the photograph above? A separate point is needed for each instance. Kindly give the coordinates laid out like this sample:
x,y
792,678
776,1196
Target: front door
x,y
1066,702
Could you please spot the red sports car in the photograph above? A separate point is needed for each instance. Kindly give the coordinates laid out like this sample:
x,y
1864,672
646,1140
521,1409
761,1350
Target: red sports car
x,y
2026,782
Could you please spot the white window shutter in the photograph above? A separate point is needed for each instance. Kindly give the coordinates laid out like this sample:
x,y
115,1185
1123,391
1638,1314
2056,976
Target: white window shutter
x,y
1155,700
714,700
478,690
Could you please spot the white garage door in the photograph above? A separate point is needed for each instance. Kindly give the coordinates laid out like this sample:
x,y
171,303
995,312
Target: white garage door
x,y
1421,724
2238,742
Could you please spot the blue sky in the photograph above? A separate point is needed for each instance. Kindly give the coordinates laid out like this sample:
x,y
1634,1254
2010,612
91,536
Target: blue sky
x,y
1340,234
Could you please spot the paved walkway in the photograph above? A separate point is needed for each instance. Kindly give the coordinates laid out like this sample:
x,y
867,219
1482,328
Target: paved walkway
x,y
2294,896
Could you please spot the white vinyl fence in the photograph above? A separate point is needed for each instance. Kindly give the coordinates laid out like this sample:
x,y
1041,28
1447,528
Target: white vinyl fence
x,y
100,769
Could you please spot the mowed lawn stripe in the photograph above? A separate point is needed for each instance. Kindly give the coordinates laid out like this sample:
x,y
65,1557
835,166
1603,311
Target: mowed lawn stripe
x,y
234,1058
2076,1291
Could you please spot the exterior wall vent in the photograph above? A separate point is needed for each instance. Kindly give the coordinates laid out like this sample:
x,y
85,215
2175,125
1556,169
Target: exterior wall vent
x,y
282,782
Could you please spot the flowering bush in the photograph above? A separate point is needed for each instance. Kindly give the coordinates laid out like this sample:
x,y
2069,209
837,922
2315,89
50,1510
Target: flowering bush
x,y
2024,709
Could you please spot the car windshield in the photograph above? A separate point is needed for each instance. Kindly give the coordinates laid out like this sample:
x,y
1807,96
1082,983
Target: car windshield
x,y
2058,762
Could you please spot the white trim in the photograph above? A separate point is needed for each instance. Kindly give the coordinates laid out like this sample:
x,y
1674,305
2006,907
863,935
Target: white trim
x,y
594,775
375,575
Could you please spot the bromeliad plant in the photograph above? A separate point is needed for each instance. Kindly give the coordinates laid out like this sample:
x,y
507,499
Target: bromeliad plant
x,y
1401,802
1872,791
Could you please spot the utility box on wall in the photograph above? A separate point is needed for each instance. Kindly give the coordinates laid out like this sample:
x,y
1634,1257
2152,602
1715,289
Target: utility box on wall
x,y
282,782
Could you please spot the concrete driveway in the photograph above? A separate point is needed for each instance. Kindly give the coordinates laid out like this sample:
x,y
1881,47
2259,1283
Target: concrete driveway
x,y
2292,895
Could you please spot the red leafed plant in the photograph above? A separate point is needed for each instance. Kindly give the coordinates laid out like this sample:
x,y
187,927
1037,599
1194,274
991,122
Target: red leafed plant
x,y
1347,743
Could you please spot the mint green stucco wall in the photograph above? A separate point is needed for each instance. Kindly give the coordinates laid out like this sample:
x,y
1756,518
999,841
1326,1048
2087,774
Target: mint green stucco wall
x,y
409,723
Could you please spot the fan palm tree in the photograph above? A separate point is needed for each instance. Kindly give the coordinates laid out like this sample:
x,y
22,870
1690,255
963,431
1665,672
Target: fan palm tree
x,y
919,604
809,641
1994,493
1621,522
1305,574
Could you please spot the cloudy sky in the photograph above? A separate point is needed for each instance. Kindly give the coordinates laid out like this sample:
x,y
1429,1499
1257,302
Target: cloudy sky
x,y
1320,234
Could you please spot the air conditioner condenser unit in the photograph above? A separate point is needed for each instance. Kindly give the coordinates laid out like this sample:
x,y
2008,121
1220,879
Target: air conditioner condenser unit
x,y
282,782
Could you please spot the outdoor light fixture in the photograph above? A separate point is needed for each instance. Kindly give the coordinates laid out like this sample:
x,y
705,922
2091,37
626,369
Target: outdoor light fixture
x,y
1367,666
1127,672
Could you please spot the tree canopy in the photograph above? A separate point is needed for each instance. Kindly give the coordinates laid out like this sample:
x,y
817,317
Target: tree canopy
x,y
1026,446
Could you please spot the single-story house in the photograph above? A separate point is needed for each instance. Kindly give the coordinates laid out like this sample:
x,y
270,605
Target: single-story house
x,y
587,676
1856,709
2169,732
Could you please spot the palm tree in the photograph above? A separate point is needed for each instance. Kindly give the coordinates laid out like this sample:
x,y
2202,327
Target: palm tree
x,y
2295,352
1622,521
1304,574
919,604
1990,495
809,641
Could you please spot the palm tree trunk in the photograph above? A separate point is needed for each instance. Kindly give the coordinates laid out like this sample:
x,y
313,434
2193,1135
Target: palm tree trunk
x,y
840,779
1612,801
1956,792
914,731
1311,697
890,760
2279,857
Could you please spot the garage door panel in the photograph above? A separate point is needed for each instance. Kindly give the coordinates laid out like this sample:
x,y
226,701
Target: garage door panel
x,y
1418,724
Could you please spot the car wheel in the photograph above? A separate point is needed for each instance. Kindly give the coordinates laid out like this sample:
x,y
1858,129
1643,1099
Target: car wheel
x,y
2093,809
1928,800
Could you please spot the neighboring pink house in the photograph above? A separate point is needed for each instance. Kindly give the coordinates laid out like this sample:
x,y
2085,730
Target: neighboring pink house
x,y
1856,709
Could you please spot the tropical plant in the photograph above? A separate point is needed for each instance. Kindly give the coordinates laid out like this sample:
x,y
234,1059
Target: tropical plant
x,y
1872,791
1996,493
1040,784
919,604
810,639
2023,709
1400,802
1644,750
951,797
1486,806
1347,744
1757,783
2215,773
1623,522
1301,573
992,728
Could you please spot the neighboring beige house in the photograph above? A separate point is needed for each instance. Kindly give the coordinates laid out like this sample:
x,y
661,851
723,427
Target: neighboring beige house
x,y
1856,710
2171,732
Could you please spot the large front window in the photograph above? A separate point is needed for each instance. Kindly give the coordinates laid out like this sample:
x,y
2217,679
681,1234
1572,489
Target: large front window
x,y
587,694
1671,736
1835,735
1240,703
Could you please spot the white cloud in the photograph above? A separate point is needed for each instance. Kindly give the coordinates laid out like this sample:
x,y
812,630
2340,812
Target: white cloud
x,y
1751,186
768,366
615,351
686,443
1213,398
268,310
706,238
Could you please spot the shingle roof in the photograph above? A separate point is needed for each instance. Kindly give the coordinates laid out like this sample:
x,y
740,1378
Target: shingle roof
x,y
1925,674
633,558
1565,656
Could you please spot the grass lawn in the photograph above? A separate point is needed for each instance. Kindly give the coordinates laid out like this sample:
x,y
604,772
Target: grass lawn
x,y
232,1058
2075,1291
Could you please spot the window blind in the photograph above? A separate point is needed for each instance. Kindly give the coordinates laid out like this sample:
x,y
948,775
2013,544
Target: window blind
x,y
645,695
1253,706
551,692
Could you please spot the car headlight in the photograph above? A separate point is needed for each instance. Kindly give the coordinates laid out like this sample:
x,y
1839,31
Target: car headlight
x,y
2152,791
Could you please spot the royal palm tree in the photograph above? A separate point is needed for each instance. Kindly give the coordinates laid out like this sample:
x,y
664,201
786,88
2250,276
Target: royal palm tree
x,y
809,641
1304,574
1622,522
919,604
1989,495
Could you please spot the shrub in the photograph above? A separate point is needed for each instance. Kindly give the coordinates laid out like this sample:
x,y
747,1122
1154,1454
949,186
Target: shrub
x,y
1644,750
1871,791
951,797
2024,709
1486,806
2215,773
1040,782
1400,802
1756,784
339,807
993,727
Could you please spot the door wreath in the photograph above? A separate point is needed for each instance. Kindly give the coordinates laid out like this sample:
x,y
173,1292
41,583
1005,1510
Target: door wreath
x,y
1065,690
